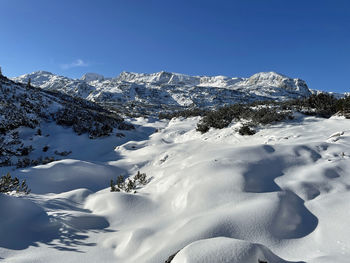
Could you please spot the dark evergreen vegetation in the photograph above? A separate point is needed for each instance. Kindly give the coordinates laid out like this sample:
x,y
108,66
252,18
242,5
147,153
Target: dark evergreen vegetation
x,y
121,184
265,112
9,184
223,116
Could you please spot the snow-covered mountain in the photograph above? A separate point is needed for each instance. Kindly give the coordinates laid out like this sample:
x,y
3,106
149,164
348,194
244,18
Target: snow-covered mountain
x,y
163,90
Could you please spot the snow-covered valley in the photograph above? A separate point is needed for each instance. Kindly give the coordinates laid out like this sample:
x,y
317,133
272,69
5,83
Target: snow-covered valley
x,y
280,195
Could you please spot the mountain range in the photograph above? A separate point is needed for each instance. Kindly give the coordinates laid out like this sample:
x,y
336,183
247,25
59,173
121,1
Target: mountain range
x,y
149,94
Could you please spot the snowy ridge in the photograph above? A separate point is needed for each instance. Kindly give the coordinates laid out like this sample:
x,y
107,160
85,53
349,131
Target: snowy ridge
x,y
151,93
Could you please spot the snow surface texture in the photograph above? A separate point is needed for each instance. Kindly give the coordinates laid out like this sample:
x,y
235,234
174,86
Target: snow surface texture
x,y
280,195
151,93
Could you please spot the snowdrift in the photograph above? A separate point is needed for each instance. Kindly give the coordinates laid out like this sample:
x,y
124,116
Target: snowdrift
x,y
280,195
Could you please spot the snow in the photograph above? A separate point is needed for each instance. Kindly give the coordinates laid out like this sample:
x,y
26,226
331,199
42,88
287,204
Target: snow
x,y
280,195
222,249
68,174
24,223
92,77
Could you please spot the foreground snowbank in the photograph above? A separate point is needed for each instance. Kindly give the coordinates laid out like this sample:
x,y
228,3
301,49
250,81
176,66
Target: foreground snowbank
x,y
22,223
222,250
280,195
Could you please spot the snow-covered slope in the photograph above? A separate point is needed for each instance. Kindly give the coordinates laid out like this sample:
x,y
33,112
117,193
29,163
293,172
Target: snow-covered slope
x,y
278,196
25,110
152,93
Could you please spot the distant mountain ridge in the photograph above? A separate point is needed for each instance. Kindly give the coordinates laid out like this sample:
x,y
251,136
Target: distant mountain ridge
x,y
151,93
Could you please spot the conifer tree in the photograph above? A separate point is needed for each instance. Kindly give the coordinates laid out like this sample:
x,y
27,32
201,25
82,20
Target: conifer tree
x,y
113,189
8,184
29,83
121,182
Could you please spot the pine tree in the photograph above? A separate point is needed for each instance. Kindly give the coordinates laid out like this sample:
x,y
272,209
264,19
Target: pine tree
x,y
113,189
130,186
141,178
121,182
29,83
8,184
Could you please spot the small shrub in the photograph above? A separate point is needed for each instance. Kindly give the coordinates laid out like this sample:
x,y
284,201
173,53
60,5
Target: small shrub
x,y
48,160
45,148
120,182
140,178
202,127
129,184
120,135
246,130
113,188
126,126
64,153
22,163
5,161
25,150
9,184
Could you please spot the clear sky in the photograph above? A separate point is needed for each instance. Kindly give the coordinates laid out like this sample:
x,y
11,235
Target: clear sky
x,y
308,39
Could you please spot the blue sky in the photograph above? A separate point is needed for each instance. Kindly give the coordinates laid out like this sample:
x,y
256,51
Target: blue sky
x,y
305,39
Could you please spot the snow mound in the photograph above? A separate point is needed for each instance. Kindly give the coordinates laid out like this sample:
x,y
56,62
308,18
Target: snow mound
x,y
280,195
66,175
22,223
223,250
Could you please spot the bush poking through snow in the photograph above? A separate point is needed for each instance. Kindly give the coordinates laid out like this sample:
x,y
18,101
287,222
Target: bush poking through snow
x,y
141,178
262,261
128,185
222,117
246,130
64,153
9,184
45,148
120,182
126,126
26,162
113,188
